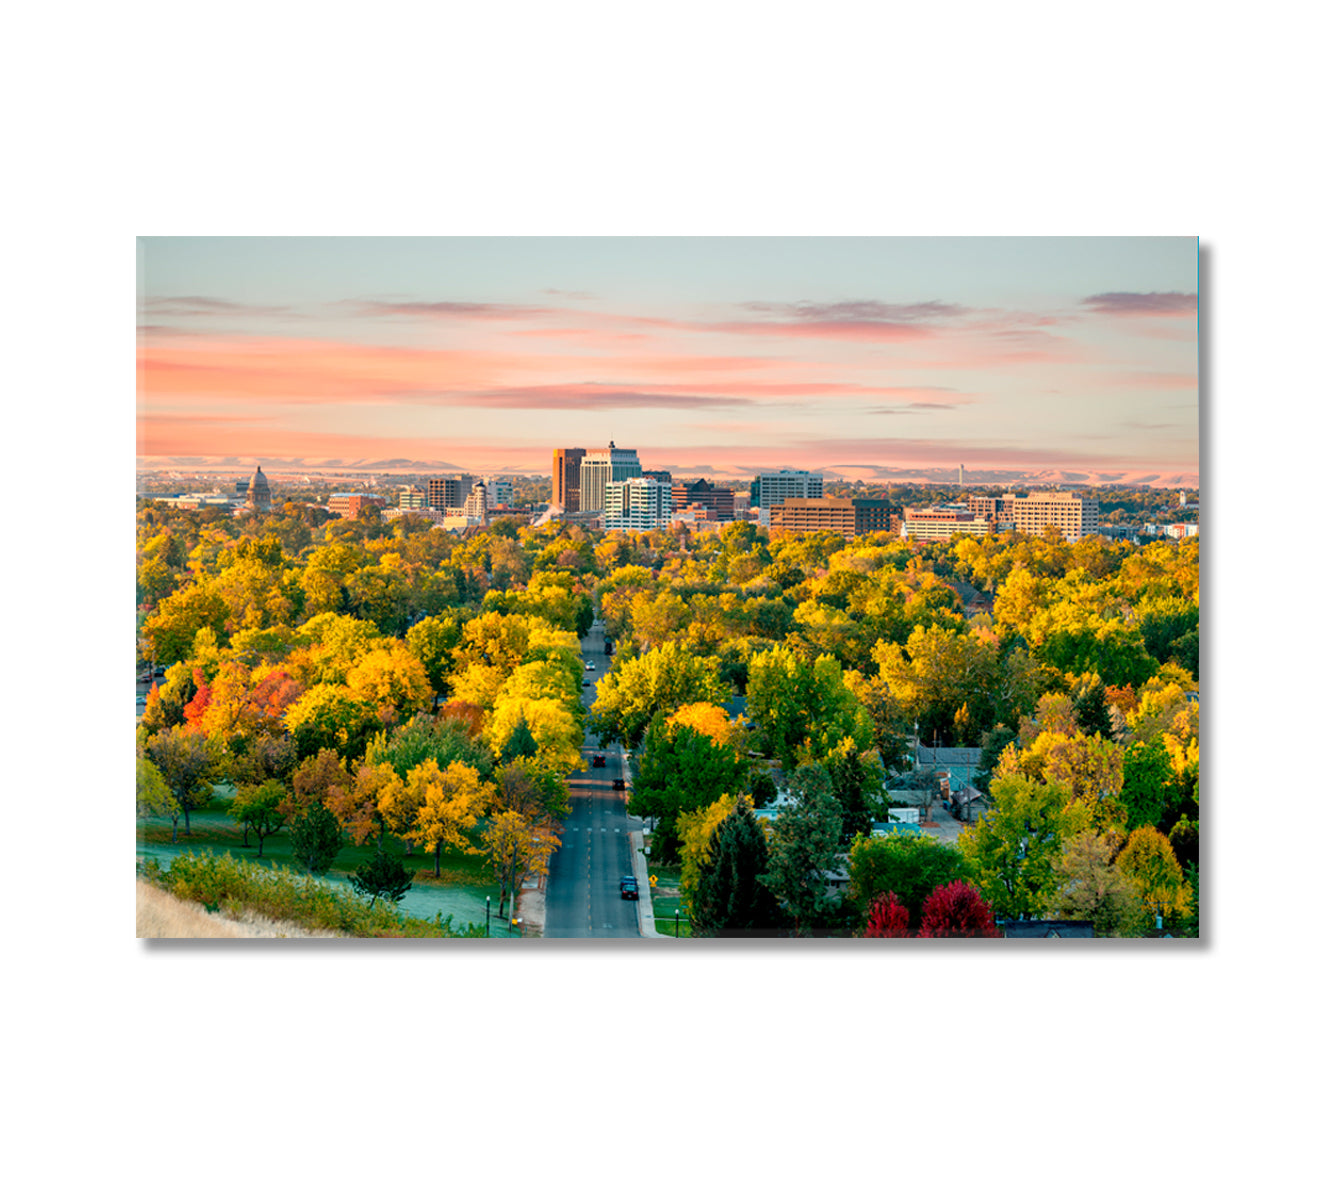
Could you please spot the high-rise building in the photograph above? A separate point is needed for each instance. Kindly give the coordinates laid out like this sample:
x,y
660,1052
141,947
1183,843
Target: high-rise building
x,y
720,502
474,504
601,467
449,492
638,503
565,478
1075,515
258,495
851,517
411,497
773,487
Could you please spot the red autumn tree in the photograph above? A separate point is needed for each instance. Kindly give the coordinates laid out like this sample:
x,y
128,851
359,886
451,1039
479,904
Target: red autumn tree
x,y
957,910
198,705
887,918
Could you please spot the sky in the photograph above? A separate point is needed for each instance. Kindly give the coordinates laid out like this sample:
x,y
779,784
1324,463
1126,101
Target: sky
x,y
1060,359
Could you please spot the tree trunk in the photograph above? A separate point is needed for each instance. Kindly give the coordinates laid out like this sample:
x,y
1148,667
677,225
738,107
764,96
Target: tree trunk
x,y
437,860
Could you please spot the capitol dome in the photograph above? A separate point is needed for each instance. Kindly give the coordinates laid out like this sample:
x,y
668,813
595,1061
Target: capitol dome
x,y
258,495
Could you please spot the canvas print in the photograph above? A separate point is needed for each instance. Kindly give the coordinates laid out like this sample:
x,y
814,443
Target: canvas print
x,y
668,588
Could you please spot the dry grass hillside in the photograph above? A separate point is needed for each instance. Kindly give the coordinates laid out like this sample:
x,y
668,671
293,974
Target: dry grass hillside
x,y
159,915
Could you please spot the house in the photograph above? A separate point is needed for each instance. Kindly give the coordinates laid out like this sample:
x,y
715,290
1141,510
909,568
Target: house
x,y
1047,929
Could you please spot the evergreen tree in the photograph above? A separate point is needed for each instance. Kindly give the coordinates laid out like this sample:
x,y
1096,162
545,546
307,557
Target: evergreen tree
x,y
731,900
382,876
316,838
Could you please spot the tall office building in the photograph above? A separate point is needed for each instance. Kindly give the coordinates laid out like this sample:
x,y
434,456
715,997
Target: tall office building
x,y
601,467
639,504
448,493
499,492
411,497
1075,515
475,503
773,487
565,478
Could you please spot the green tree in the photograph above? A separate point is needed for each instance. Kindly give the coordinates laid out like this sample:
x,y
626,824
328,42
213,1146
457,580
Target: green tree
x,y
1013,850
803,849
907,865
259,807
732,899
382,876
317,838
660,681
680,769
1147,771
153,797
188,762
858,787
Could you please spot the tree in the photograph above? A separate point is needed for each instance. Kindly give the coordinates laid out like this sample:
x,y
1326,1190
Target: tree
x,y
858,786
188,762
260,807
910,867
679,770
152,796
1089,887
519,848
803,848
804,709
1013,850
1148,861
696,829
887,918
433,640
732,899
661,680
444,805
382,876
317,838
1147,772
957,910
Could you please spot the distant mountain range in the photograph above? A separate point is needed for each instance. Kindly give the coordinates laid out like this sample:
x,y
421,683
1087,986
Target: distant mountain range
x,y
866,473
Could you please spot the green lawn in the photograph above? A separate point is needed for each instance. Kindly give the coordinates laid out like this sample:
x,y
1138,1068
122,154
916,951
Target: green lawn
x,y
666,900
465,880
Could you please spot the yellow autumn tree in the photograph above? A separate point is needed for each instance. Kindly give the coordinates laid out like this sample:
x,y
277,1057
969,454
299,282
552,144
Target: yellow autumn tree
x,y
519,848
1151,866
392,680
709,720
444,805
695,830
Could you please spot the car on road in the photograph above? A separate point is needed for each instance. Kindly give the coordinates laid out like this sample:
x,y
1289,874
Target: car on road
x,y
618,785
584,683
599,760
588,666
629,888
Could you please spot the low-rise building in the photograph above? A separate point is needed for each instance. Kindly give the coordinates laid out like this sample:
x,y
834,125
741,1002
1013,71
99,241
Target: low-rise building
x,y
850,516
352,504
941,522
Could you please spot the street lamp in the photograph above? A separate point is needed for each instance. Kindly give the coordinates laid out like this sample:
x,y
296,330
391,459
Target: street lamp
x,y
488,916
677,933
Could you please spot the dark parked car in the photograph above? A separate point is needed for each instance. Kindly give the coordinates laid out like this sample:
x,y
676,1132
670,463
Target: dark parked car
x,y
618,785
629,888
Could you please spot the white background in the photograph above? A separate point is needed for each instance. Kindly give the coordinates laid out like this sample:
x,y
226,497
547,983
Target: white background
x,y
809,1070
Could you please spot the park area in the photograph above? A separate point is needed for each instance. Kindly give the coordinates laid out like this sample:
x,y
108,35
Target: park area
x,y
453,902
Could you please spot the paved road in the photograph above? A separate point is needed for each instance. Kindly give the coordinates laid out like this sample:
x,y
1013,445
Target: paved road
x,y
583,888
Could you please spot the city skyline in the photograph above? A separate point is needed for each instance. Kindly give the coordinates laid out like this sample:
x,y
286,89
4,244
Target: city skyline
x,y
1064,359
